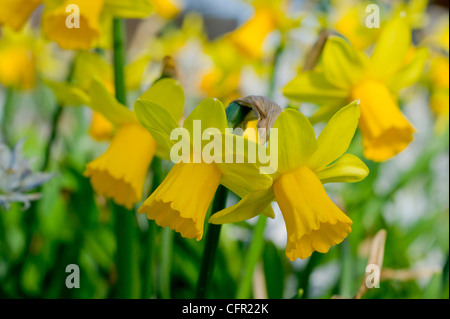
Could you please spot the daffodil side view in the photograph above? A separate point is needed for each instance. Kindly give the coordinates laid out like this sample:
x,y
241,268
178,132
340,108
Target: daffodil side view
x,y
182,200
347,74
313,221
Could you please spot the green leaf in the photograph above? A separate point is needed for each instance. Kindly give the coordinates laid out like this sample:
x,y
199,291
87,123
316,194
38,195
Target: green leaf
x,y
273,271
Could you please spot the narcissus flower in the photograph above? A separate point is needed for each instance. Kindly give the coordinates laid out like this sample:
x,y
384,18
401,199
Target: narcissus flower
x,y
346,74
166,8
15,13
86,67
18,59
268,16
438,75
182,200
92,15
313,221
120,172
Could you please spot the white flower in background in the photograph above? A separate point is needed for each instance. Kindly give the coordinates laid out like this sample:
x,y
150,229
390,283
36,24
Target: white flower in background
x,y
17,178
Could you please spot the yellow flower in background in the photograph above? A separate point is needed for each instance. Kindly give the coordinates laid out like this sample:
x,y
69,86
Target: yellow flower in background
x,y
224,86
86,67
349,18
101,129
15,13
222,79
350,22
313,221
18,59
182,200
438,75
93,18
268,16
120,172
250,37
166,8
347,74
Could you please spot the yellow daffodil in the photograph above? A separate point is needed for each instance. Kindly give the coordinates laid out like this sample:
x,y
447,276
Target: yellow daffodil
x,y
313,221
222,80
438,75
18,59
93,16
120,172
268,16
87,66
350,19
15,13
166,8
182,200
347,74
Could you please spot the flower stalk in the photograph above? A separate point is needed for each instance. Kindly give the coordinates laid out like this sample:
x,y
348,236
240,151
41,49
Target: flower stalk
x,y
125,219
211,243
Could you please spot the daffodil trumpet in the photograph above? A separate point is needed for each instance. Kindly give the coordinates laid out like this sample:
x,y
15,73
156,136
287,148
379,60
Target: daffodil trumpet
x,y
313,221
346,74
120,172
182,200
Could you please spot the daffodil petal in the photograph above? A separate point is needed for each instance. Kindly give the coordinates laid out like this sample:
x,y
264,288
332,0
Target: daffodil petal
x,y
411,72
391,49
159,122
67,94
250,206
336,137
134,71
169,94
135,9
103,102
347,169
312,86
343,66
210,112
296,140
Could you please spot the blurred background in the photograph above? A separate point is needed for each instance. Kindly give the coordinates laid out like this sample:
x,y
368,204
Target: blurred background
x,y
216,53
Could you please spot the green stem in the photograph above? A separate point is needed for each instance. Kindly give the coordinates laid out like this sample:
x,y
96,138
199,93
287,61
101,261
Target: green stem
x,y
149,242
305,274
126,232
211,243
254,255
166,262
6,118
119,60
127,279
273,76
346,281
52,137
